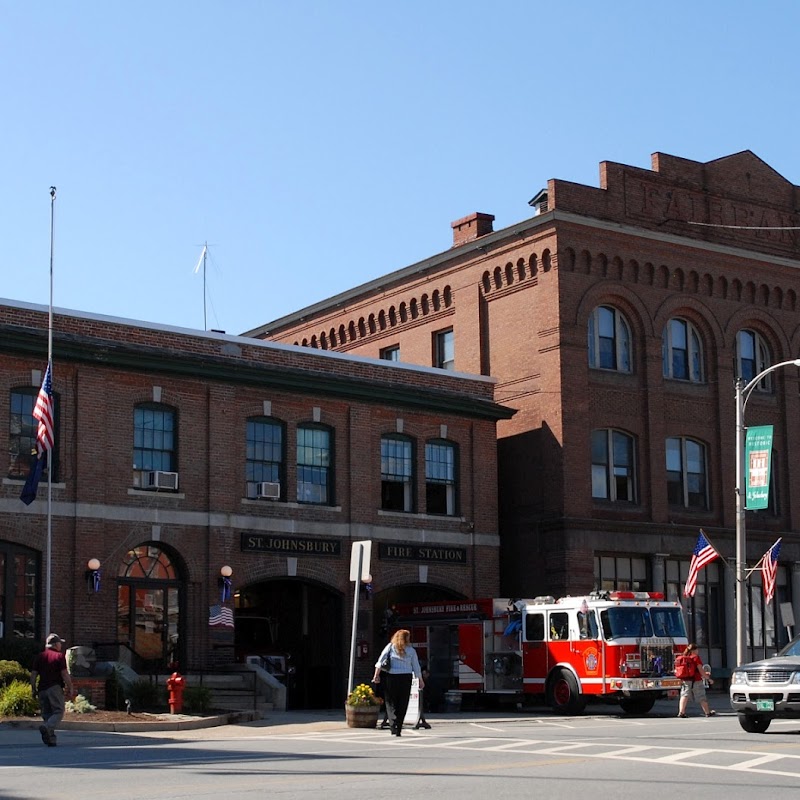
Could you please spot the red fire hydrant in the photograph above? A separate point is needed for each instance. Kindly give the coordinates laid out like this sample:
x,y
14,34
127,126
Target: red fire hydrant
x,y
176,684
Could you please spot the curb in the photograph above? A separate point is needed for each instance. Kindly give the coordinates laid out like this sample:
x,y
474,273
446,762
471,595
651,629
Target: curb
x,y
158,722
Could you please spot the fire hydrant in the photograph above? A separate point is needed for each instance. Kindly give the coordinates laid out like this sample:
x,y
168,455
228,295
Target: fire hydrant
x,y
176,684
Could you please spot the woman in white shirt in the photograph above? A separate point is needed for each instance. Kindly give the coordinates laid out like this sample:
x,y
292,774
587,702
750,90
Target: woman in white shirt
x,y
403,664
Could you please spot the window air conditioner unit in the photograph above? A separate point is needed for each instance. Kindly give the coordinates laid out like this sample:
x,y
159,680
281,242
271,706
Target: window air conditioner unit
x,y
161,480
268,490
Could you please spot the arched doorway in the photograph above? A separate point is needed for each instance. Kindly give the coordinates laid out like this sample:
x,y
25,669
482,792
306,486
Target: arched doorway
x,y
296,626
149,609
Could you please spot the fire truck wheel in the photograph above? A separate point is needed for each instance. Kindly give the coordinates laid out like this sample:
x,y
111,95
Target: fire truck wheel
x,y
563,695
637,705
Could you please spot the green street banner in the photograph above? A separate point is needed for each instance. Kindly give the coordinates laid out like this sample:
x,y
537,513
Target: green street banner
x,y
758,447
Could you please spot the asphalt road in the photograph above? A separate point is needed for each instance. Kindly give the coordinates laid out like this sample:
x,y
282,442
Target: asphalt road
x,y
602,754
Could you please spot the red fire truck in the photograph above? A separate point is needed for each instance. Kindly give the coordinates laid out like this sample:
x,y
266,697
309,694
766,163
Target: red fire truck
x,y
618,646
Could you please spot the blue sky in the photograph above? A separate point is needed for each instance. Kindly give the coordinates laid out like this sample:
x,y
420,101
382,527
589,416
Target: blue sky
x,y
317,145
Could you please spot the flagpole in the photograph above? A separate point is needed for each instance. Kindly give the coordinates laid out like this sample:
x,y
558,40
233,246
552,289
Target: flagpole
x,y
49,570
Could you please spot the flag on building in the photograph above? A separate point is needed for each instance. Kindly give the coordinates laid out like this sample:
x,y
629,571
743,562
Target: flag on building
x,y
220,616
43,413
704,553
770,571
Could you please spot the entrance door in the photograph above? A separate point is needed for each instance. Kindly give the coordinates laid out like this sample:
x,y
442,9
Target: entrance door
x,y
297,628
148,611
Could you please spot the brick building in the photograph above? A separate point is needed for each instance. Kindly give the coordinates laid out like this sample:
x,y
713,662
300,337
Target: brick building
x,y
616,320
179,453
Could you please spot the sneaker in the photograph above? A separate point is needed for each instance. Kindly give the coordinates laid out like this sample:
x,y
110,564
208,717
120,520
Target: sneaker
x,y
712,713
682,716
45,735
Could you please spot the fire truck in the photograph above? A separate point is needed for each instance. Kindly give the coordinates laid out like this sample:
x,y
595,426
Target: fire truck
x,y
616,646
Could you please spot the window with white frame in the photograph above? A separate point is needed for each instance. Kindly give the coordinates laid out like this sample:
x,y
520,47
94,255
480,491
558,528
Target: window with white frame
x,y
440,477
752,357
609,340
613,468
397,473
682,351
687,482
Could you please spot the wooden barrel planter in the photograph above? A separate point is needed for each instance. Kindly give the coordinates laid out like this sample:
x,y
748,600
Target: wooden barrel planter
x,y
362,716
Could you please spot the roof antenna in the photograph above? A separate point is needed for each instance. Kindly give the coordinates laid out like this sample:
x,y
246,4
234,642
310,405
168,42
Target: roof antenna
x,y
202,260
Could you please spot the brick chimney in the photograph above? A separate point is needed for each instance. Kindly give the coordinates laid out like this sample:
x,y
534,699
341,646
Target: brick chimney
x,y
471,227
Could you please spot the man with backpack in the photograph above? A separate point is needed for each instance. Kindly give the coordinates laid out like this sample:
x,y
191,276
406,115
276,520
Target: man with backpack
x,y
689,668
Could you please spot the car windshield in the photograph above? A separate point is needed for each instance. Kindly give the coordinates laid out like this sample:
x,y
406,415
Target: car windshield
x,y
791,649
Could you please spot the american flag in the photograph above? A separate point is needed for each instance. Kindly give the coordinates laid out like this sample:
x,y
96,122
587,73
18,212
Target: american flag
x,y
704,553
220,616
43,412
770,573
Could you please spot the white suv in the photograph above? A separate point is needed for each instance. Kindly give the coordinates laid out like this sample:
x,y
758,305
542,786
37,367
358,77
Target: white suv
x,y
767,689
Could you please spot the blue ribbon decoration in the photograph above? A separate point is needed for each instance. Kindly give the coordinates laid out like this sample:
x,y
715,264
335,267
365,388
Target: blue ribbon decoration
x,y
226,589
96,580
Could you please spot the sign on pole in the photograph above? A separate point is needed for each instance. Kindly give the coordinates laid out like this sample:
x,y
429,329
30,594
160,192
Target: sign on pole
x,y
758,449
359,570
366,552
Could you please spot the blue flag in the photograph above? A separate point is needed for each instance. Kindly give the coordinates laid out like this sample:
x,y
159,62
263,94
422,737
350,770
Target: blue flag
x,y
32,483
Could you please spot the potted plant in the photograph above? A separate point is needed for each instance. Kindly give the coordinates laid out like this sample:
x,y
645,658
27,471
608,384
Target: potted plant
x,y
362,707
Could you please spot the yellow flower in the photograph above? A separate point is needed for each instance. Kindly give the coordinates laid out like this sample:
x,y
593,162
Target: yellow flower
x,y
363,695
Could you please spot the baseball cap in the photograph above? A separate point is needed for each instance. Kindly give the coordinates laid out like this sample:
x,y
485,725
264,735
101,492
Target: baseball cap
x,y
54,638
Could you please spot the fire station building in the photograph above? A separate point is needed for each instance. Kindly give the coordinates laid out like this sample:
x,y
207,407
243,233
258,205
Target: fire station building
x,y
205,491
616,320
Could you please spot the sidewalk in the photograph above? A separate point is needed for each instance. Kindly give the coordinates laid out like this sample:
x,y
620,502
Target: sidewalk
x,y
327,719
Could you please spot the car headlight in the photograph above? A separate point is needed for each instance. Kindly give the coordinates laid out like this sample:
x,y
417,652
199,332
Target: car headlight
x,y
740,676
795,678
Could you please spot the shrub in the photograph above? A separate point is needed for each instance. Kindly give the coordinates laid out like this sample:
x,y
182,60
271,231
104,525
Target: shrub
x,y
145,695
115,695
197,698
80,705
16,700
13,671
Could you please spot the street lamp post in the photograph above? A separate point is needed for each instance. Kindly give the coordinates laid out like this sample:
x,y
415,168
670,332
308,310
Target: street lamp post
x,y
743,391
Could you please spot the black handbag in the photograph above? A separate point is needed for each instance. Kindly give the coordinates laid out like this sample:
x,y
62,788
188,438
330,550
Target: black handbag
x,y
386,662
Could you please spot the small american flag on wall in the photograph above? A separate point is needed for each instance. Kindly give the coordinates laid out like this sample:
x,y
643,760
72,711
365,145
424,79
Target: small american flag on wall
x,y
220,616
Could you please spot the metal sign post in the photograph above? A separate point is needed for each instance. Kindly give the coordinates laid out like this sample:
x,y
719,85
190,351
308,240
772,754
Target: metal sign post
x,y
360,557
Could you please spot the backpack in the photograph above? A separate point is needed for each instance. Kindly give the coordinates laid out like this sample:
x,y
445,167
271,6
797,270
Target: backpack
x,y
684,668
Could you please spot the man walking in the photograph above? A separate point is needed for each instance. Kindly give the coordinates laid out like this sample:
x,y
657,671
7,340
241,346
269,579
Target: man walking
x,y
50,667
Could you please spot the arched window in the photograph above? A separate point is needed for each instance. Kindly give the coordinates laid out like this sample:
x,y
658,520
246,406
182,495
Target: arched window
x,y
687,480
752,357
613,467
397,473
609,340
441,473
314,464
681,351
264,468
